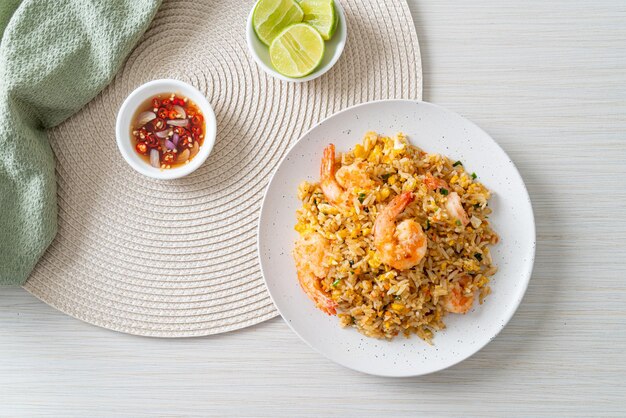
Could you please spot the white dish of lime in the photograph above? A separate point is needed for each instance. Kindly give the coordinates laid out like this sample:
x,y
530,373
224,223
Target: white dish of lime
x,y
303,44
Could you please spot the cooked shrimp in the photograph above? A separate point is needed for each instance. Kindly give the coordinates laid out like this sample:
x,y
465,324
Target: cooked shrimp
x,y
337,184
457,301
309,253
401,246
455,208
333,191
354,175
434,183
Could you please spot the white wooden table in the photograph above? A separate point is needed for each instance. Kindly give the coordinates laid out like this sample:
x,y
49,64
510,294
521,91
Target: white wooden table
x,y
548,80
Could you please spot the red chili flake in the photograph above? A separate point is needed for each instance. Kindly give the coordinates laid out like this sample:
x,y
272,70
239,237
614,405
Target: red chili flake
x,y
162,113
196,131
181,131
168,158
184,142
167,102
156,102
151,140
142,148
172,114
196,119
178,102
158,124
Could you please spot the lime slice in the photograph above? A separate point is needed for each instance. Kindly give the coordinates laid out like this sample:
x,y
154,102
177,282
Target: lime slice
x,y
297,50
321,15
270,17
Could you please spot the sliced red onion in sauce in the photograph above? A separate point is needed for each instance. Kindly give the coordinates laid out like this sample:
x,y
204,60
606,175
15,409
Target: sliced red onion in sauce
x,y
145,117
175,139
163,134
181,112
169,145
154,158
178,122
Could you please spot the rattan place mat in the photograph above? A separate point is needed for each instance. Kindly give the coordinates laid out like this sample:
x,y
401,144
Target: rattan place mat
x,y
179,258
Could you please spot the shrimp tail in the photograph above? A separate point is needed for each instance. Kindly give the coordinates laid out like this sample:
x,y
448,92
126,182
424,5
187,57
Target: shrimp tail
x,y
331,189
327,169
313,289
400,202
322,299
434,183
326,304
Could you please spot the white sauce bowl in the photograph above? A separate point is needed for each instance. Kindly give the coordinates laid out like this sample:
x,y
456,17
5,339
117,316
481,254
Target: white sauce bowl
x,y
123,127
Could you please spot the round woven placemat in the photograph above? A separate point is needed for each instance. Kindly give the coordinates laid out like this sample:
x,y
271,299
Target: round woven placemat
x,y
178,258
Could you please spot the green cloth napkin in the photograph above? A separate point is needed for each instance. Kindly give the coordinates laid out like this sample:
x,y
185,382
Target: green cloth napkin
x,y
55,56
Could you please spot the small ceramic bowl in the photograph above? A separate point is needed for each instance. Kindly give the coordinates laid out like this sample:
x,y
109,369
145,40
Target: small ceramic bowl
x,y
125,142
334,48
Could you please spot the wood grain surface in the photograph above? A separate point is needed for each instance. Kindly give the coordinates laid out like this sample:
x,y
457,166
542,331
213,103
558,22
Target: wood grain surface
x,y
547,79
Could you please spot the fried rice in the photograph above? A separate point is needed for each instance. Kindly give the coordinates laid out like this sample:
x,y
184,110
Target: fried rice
x,y
376,299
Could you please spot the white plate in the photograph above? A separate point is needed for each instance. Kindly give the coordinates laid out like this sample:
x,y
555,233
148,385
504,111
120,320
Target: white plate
x,y
435,130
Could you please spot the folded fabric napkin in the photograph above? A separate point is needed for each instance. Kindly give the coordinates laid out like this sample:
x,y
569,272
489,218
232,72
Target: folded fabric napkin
x,y
55,56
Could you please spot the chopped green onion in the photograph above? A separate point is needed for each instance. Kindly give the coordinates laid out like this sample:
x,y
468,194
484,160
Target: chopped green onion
x,y
427,225
478,257
398,297
476,205
458,222
351,263
386,176
443,191
457,163
361,197
351,271
336,282
474,176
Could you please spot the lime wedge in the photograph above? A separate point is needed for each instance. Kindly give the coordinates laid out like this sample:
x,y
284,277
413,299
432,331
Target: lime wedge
x,y
270,17
321,15
297,51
